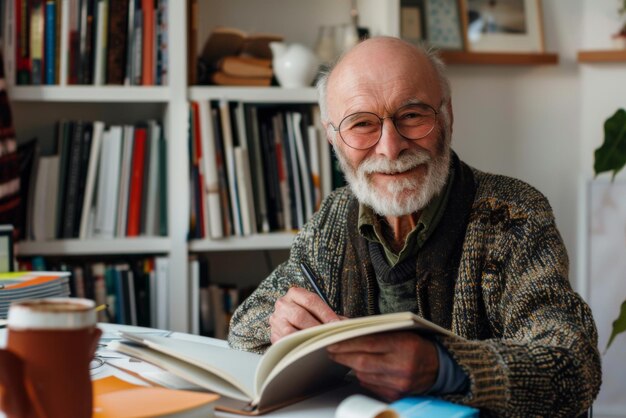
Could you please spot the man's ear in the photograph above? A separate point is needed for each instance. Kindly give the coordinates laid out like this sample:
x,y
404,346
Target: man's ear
x,y
326,130
451,113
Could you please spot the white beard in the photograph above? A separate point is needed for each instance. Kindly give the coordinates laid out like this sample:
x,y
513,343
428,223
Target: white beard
x,y
402,196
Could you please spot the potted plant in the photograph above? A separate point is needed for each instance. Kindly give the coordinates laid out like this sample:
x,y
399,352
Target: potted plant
x,y
611,156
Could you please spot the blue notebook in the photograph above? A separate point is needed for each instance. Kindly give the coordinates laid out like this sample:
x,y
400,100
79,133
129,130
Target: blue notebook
x,y
425,406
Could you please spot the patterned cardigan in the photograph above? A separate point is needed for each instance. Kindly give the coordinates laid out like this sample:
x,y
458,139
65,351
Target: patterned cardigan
x,y
494,272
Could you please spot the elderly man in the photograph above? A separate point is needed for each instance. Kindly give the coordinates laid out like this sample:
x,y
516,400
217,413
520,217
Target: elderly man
x,y
418,230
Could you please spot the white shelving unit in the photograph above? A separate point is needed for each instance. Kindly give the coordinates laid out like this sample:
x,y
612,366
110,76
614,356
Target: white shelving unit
x,y
37,108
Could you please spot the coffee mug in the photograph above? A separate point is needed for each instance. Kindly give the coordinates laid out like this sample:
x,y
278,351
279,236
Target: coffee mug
x,y
44,370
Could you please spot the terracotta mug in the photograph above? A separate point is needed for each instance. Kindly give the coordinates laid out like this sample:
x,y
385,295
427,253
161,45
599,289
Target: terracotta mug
x,y
44,370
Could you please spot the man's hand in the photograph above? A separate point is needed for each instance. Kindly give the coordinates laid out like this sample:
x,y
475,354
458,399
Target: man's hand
x,y
298,309
392,364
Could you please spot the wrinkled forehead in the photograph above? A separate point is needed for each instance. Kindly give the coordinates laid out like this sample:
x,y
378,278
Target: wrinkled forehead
x,y
380,77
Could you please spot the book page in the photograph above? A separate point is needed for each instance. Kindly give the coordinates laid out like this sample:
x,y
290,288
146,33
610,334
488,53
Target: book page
x,y
223,370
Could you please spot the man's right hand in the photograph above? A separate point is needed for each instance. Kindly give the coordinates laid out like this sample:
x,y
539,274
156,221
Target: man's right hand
x,y
298,309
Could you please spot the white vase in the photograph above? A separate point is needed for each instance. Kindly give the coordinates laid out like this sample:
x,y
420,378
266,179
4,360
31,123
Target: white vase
x,y
294,65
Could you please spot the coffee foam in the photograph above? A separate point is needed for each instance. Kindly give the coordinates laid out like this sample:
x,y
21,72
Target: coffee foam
x,y
53,313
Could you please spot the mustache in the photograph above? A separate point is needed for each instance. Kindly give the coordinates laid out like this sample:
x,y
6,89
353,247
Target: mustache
x,y
405,162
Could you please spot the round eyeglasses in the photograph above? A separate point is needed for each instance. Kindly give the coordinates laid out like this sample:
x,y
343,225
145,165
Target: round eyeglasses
x,y
363,130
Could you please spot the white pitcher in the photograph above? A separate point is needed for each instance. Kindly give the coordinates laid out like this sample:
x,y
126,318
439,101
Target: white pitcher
x,y
294,65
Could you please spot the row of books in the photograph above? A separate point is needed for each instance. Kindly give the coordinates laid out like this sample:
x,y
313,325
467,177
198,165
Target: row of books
x,y
102,182
212,304
133,290
87,42
256,168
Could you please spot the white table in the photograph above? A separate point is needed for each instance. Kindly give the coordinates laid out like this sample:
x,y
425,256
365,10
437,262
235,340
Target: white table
x,y
322,406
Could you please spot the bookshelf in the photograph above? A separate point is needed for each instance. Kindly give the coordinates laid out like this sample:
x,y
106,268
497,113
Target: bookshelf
x,y
36,108
602,56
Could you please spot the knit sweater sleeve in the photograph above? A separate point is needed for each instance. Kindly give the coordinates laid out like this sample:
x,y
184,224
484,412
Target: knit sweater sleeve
x,y
321,247
543,360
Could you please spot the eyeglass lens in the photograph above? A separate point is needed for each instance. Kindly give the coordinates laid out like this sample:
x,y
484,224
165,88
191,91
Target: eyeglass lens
x,y
363,129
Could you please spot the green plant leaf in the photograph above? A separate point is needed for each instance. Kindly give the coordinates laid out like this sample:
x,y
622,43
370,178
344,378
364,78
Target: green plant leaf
x,y
619,325
611,156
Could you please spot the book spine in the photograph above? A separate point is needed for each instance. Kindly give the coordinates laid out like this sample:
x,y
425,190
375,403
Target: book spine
x,y
63,146
227,136
63,48
85,152
130,43
147,43
162,184
74,44
90,182
143,226
256,168
136,182
137,68
210,170
37,22
117,43
100,42
22,19
73,174
162,47
50,42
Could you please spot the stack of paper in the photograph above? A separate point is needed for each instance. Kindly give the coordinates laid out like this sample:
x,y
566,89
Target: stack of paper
x,y
31,285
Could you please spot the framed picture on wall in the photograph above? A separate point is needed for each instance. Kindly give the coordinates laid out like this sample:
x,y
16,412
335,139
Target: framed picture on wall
x,y
445,24
413,20
503,25
435,22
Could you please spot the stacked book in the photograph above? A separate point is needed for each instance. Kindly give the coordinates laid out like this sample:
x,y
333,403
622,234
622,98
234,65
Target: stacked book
x,y
231,57
31,285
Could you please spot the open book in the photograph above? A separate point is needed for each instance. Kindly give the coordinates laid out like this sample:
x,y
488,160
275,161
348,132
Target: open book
x,y
295,367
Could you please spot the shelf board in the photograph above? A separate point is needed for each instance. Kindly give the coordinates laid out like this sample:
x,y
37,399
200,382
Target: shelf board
x,y
498,58
254,94
141,245
273,241
607,55
94,94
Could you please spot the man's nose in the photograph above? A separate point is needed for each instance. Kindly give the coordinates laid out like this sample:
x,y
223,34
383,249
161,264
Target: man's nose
x,y
391,143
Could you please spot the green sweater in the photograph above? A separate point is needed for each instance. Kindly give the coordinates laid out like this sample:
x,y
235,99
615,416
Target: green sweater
x,y
494,271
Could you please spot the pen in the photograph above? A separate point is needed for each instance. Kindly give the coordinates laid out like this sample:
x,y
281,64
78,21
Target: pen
x,y
313,280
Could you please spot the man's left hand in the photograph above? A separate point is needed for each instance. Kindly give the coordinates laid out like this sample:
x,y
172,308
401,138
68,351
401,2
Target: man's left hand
x,y
392,364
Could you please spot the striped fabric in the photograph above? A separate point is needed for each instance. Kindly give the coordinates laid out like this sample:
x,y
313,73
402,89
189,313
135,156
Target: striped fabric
x,y
10,208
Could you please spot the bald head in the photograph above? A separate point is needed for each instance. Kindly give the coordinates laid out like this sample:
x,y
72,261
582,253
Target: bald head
x,y
379,61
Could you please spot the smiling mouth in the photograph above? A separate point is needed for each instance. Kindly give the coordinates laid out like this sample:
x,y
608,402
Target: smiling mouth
x,y
396,173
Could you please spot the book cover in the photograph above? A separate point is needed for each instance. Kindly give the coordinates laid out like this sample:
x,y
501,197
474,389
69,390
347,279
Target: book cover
x,y
220,159
295,367
116,398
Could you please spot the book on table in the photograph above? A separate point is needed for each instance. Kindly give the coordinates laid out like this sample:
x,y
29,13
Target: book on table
x,y
116,398
292,369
